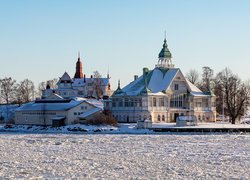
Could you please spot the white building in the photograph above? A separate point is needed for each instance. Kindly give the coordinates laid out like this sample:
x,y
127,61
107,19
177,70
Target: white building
x,y
80,85
161,95
55,110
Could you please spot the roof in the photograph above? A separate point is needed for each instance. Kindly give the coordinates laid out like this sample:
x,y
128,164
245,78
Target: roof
x,y
57,105
165,53
49,106
89,112
82,82
156,82
94,102
65,77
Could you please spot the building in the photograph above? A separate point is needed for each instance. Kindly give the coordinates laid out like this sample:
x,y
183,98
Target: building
x,y
55,110
161,95
80,85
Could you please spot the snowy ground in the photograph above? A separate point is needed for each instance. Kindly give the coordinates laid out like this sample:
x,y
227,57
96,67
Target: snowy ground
x,y
120,129
124,156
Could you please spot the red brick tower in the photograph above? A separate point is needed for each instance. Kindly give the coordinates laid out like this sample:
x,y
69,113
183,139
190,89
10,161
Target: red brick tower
x,y
78,73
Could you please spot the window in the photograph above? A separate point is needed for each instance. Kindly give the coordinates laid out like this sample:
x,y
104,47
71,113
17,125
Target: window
x,y
126,102
154,102
150,118
163,118
176,87
159,118
162,102
75,113
120,103
176,100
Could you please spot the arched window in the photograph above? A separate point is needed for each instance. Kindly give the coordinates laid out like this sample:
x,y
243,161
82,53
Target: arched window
x,y
163,118
199,117
159,118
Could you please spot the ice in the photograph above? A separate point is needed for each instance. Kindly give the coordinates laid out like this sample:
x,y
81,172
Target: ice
x,y
124,156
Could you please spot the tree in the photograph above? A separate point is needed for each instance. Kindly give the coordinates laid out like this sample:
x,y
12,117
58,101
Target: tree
x,y
8,89
42,85
207,78
53,83
25,91
193,76
236,94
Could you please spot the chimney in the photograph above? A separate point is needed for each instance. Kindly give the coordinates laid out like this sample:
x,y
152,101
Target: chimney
x,y
84,78
145,71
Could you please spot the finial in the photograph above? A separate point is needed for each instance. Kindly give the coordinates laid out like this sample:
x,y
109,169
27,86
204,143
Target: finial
x,y
78,55
165,34
108,73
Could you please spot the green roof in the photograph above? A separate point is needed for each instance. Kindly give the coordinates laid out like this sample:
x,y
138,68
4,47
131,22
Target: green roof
x,y
165,53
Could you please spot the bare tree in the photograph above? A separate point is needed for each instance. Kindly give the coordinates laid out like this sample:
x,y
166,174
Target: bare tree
x,y
42,85
26,91
236,94
207,79
53,83
193,76
8,89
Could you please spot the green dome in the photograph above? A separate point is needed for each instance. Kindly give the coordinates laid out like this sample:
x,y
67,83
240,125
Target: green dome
x,y
165,53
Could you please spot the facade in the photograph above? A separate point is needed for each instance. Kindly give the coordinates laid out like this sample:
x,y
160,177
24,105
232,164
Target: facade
x,y
54,109
80,85
161,95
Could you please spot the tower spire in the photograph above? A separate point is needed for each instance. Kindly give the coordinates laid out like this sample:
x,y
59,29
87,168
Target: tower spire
x,y
165,56
119,84
78,73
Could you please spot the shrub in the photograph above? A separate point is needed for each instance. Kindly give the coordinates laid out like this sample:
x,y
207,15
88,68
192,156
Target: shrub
x,y
101,119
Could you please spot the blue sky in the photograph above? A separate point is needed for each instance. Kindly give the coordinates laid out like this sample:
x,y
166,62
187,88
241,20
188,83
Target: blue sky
x,y
39,40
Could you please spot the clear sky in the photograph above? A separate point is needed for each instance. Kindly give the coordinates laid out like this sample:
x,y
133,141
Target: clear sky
x,y
39,40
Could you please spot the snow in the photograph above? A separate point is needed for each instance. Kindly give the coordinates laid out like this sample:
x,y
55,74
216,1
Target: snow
x,y
212,125
7,108
38,106
94,102
160,82
49,106
89,112
80,81
126,156
134,88
193,88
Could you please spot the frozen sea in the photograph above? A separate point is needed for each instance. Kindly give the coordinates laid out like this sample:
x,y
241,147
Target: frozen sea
x,y
124,156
